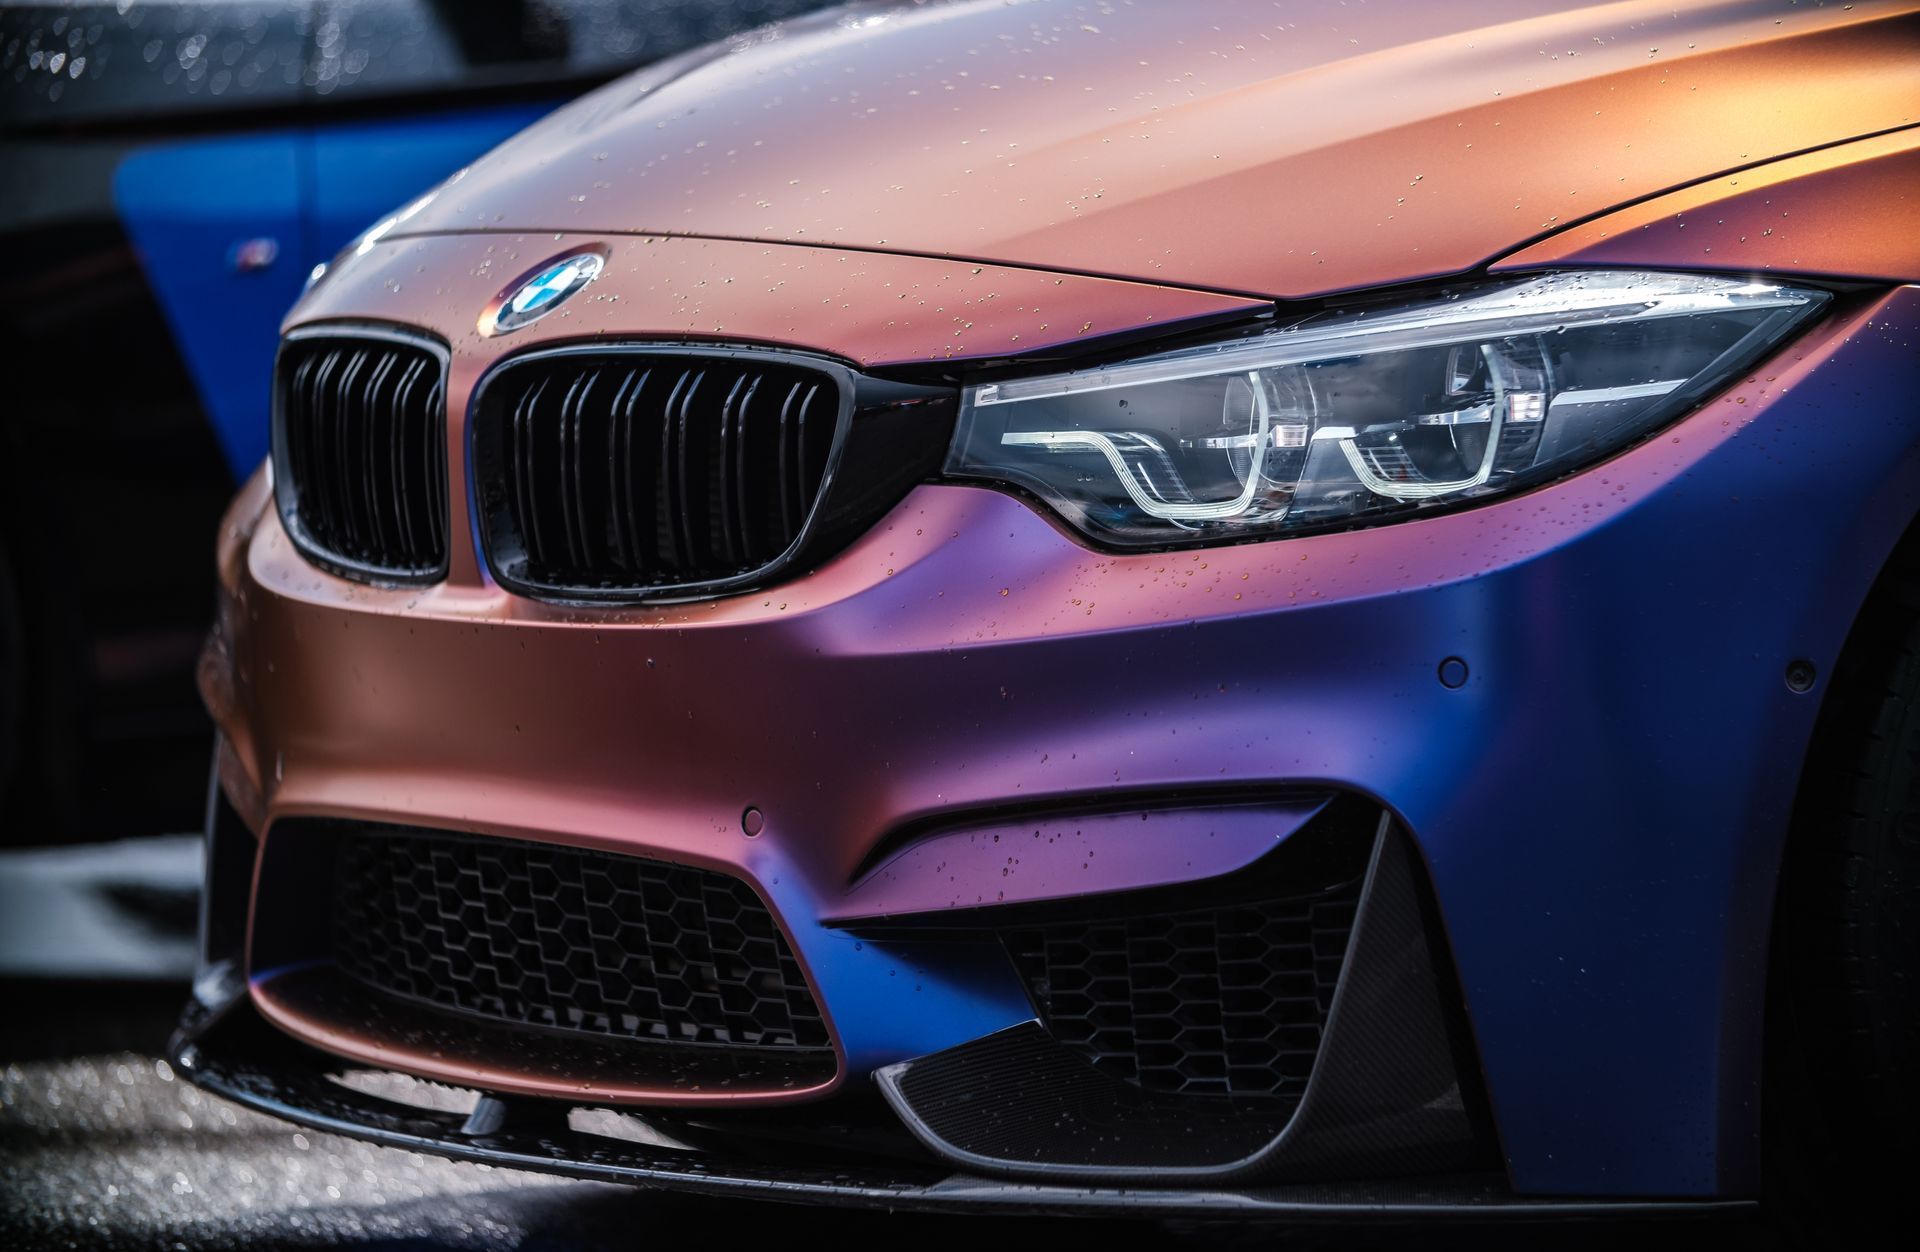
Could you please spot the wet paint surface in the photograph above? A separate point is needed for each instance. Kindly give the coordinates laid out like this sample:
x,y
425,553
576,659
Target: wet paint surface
x,y
965,654
872,308
1848,211
1282,151
1053,857
1522,683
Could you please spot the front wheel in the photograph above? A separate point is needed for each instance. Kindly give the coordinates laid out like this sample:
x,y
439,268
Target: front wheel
x,y
1843,1133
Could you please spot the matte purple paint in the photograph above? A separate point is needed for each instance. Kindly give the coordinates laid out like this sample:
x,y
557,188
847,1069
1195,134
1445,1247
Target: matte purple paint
x,y
1048,858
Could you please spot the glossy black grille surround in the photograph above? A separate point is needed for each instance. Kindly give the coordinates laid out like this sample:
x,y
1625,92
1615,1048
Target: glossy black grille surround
x,y
1224,1001
360,451
554,938
636,472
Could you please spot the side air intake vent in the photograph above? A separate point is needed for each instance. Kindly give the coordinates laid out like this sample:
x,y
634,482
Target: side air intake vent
x,y
1160,1055
1224,1001
360,452
643,471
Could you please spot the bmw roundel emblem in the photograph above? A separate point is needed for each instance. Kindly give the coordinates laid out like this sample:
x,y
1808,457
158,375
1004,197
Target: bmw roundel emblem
x,y
539,294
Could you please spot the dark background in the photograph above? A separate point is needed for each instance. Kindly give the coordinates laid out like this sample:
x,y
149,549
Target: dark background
x,y
170,170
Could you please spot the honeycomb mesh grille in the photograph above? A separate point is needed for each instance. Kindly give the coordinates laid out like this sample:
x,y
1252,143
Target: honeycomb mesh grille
x,y
536,935
1227,1001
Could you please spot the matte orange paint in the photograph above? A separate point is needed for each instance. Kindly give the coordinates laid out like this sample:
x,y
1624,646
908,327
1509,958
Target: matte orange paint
x,y
1849,211
1280,150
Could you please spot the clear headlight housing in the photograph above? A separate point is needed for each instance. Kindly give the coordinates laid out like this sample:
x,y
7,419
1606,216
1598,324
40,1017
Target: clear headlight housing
x,y
1353,418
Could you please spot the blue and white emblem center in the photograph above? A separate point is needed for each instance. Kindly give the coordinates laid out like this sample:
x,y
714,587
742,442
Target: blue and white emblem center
x,y
545,291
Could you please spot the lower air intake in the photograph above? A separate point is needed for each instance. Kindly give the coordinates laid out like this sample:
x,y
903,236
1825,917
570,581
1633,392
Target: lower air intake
x,y
1160,1055
531,935
1225,1001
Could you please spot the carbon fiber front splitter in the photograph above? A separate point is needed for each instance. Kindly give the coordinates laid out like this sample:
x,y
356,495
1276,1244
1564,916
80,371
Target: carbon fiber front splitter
x,y
235,1055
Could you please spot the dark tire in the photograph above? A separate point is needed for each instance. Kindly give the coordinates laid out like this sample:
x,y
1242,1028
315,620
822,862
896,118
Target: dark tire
x,y
1843,1129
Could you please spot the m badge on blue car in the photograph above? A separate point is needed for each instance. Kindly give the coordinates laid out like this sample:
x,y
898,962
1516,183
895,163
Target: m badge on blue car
x,y
541,293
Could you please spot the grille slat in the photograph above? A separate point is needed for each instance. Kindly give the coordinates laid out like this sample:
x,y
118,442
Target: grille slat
x,y
298,435
326,464
623,466
749,551
714,464
363,401
668,512
523,459
345,375
789,473
360,453
725,475
801,466
402,484
615,524
432,428
537,935
370,481
350,410
572,505
683,512
385,483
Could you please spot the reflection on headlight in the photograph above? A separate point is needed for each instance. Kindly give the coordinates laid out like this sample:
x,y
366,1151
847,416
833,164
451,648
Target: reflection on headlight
x,y
1353,418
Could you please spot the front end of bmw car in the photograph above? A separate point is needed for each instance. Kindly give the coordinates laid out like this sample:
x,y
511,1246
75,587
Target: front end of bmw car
x,y
1008,607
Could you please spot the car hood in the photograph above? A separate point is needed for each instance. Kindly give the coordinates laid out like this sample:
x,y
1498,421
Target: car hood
x,y
1275,150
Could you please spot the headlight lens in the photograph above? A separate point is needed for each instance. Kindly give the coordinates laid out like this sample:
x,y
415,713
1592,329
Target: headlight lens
x,y
1359,417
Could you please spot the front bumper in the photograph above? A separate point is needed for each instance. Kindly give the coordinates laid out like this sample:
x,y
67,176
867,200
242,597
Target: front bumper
x,y
1600,808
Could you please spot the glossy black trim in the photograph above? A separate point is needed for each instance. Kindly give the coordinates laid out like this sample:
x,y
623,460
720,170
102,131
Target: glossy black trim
x,y
229,1051
228,853
285,498
881,447
1387,1095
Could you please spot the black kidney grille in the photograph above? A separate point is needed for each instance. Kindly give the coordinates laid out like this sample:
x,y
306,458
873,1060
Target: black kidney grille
x,y
537,935
650,469
361,452
1222,1001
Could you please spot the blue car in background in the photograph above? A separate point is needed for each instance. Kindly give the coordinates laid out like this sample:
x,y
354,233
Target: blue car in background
x,y
170,172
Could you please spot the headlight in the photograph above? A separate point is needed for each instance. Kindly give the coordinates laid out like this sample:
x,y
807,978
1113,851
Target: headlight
x,y
1360,417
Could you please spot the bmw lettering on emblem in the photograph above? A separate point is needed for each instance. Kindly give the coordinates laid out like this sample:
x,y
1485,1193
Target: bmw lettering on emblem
x,y
543,292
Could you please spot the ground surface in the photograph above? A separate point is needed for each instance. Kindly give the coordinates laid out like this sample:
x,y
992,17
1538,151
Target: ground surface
x,y
102,1146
